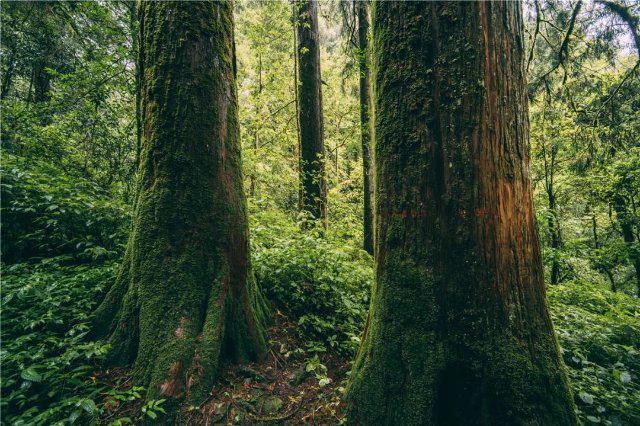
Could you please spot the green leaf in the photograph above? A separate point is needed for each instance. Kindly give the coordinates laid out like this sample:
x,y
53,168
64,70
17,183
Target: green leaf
x,y
587,398
31,374
324,382
88,405
625,377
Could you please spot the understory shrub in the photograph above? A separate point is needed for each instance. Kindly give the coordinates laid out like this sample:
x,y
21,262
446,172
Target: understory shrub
x,y
321,283
599,332
46,213
46,361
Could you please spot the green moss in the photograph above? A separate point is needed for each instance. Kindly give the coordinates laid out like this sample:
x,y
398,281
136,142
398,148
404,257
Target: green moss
x,y
190,301
458,331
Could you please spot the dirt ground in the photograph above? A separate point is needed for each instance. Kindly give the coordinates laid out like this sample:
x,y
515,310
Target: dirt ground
x,y
279,390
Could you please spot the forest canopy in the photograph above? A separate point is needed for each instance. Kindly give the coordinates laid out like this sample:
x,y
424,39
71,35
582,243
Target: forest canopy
x,y
336,211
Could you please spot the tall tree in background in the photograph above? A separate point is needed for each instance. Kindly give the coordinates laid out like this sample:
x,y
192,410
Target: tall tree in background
x,y
312,158
549,153
41,75
185,299
365,122
458,331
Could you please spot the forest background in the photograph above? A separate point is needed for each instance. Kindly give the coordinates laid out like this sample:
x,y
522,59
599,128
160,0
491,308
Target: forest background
x,y
69,157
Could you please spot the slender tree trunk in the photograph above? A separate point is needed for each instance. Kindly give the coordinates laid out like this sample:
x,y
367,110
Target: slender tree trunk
x,y
185,299
549,157
135,23
365,122
256,134
458,331
296,87
596,244
7,77
312,156
554,232
552,219
41,76
41,81
625,219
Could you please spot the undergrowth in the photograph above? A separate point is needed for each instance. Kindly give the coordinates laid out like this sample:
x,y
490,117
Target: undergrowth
x,y
599,333
51,371
47,364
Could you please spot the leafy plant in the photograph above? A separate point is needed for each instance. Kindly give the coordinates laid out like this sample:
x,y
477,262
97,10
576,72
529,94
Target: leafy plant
x,y
46,213
318,282
599,332
46,360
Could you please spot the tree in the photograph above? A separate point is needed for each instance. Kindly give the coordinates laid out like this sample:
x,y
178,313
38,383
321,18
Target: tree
x,y
185,299
312,162
365,124
41,77
458,329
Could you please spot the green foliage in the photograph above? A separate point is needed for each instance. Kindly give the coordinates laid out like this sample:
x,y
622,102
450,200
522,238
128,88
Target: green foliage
x,y
46,359
320,282
599,332
46,212
68,92
151,408
68,165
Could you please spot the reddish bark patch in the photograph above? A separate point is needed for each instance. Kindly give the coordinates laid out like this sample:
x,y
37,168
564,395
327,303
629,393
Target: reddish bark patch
x,y
195,372
180,331
171,387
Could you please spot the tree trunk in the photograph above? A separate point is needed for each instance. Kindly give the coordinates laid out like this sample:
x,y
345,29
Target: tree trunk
x,y
458,331
41,81
365,123
185,299
7,75
625,219
134,27
256,133
602,266
40,75
552,217
554,232
312,157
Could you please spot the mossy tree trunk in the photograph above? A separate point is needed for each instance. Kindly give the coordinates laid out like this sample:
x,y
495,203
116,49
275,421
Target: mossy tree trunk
x,y
185,299
365,122
458,331
312,156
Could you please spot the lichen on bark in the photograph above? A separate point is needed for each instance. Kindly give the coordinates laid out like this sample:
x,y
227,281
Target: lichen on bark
x,y
185,300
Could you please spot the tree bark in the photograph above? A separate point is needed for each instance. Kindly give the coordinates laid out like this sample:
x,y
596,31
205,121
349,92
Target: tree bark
x,y
458,330
41,76
134,27
7,75
185,299
625,220
312,156
365,122
552,218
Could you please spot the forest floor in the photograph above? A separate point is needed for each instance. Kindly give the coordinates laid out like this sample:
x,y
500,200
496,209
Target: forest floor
x,y
283,389
52,373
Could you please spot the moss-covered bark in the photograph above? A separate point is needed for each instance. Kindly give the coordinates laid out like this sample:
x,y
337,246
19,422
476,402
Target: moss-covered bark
x,y
365,124
185,300
313,190
458,331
